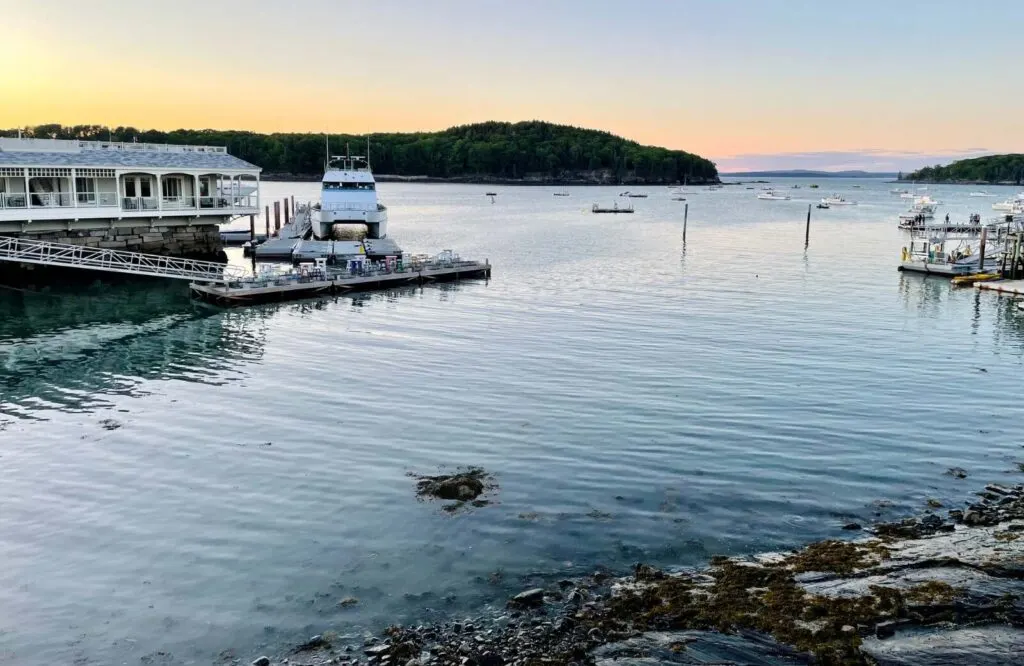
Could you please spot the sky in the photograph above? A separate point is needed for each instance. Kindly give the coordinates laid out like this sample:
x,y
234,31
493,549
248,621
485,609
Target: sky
x,y
750,84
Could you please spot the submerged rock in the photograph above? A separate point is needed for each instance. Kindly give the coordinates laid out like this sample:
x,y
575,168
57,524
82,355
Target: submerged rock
x,y
464,487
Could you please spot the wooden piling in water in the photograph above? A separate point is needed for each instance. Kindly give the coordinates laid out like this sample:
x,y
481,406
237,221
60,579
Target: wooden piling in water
x,y
287,211
252,228
807,231
981,248
277,217
293,204
686,214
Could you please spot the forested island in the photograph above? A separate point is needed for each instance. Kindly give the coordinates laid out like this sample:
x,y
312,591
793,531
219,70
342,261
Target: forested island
x,y
525,152
991,169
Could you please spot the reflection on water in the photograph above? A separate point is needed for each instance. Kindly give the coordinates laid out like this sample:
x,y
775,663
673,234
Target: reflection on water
x,y
71,350
635,398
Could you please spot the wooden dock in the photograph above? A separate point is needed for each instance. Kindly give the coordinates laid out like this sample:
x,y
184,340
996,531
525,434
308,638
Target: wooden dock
x,y
1003,286
304,284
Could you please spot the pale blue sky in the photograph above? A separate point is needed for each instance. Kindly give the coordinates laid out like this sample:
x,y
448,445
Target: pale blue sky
x,y
740,81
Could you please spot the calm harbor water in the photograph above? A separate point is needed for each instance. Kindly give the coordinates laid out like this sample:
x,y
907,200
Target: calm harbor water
x,y
181,481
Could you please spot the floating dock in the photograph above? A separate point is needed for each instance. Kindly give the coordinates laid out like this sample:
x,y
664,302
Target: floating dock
x,y
1003,286
320,280
614,209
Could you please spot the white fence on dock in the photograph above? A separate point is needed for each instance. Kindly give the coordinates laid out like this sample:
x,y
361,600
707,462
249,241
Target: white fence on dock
x,y
115,261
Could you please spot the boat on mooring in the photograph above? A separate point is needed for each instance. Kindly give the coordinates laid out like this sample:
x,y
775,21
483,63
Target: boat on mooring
x,y
936,250
836,200
772,195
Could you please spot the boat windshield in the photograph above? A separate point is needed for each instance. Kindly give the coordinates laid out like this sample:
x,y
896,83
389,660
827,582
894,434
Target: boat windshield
x,y
348,186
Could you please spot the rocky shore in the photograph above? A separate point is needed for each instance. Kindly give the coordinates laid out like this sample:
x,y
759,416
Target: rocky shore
x,y
935,589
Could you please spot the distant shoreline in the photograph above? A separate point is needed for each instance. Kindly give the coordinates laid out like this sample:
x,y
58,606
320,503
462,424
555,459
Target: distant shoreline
x,y
958,182
485,180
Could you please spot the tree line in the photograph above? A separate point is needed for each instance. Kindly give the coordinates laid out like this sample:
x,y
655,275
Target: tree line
x,y
525,150
989,169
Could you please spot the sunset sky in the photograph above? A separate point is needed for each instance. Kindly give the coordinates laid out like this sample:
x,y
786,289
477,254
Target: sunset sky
x,y
747,83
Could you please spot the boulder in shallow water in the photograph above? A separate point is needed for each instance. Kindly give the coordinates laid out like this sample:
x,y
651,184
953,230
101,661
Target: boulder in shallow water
x,y
528,598
464,487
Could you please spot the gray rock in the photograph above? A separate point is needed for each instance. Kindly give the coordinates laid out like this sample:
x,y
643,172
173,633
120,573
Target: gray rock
x,y
527,598
490,659
885,629
261,661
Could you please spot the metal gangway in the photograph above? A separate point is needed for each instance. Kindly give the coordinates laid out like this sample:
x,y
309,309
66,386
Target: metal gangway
x,y
44,253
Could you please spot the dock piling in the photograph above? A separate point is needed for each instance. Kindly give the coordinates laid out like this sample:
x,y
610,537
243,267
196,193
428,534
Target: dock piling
x,y
686,214
252,228
807,231
981,249
266,218
287,211
277,217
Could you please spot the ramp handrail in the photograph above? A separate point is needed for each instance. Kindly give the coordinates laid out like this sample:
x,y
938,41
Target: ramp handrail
x,y
45,253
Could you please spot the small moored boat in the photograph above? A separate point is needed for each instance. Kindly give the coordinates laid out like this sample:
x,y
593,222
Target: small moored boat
x,y
772,195
836,200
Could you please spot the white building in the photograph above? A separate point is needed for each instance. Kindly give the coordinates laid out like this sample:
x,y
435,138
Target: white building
x,y
50,185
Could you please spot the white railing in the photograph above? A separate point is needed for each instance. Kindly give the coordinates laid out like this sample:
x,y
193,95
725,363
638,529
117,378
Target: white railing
x,y
149,147
178,203
23,250
228,200
352,205
50,199
139,203
96,199
16,200
74,145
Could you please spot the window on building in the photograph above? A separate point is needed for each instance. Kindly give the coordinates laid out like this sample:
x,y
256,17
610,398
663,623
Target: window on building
x,y
145,188
85,185
129,187
172,187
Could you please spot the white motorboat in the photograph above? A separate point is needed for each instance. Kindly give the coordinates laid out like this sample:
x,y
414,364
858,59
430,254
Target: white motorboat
x,y
899,191
980,194
908,195
349,196
836,200
1012,205
772,195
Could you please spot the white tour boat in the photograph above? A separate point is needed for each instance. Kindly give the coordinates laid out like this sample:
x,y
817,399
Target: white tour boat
x,y
349,196
836,200
772,195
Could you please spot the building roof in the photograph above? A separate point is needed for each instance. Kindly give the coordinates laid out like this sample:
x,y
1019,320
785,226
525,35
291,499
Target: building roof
x,y
55,153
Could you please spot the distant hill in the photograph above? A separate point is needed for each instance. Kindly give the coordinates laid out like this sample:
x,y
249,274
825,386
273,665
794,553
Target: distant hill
x,y
526,152
804,173
991,169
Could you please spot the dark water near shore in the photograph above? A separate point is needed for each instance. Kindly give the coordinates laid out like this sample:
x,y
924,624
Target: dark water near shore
x,y
188,480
